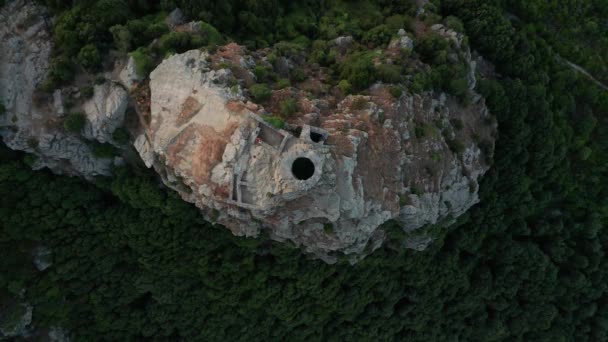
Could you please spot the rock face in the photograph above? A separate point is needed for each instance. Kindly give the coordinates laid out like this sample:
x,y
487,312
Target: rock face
x,y
330,178
33,122
105,111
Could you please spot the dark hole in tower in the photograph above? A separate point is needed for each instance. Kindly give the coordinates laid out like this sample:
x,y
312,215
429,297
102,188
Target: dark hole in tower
x,y
302,168
316,137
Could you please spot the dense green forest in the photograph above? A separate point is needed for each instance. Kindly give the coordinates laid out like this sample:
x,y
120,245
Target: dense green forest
x,y
132,261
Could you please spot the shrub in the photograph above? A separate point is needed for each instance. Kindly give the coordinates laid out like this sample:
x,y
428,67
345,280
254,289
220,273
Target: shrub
x,y
345,87
457,123
283,83
358,70
456,146
211,34
2,109
143,61
454,23
359,103
396,22
174,42
298,75
275,122
459,87
378,36
389,73
89,56
122,38
431,48
74,122
260,92
61,71
395,91
288,107
260,72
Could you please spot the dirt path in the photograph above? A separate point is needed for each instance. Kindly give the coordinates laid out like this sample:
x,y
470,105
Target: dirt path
x,y
584,72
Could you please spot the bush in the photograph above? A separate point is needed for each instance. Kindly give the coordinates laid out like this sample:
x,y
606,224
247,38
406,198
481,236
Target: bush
x,y
2,109
432,48
211,34
275,122
122,38
345,87
61,71
358,70
457,123
389,73
89,57
74,122
143,61
454,23
260,92
456,146
288,107
378,36
174,42
396,22
459,87
298,75
261,73
395,91
359,103
283,83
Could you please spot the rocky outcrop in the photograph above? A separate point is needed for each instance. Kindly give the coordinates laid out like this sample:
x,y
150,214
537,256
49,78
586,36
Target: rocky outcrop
x,y
403,41
105,111
33,122
330,178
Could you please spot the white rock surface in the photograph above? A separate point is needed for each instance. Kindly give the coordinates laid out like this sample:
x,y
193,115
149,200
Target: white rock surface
x,y
105,111
128,75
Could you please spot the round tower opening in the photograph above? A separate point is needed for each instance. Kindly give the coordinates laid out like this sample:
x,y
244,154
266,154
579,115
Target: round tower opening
x,y
302,168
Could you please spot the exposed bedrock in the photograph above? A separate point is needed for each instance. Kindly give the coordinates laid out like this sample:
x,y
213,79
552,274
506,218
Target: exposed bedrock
x,y
330,178
33,120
